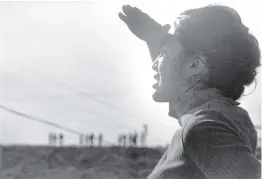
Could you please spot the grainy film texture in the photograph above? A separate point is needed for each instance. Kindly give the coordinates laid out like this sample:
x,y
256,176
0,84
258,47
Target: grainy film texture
x,y
130,90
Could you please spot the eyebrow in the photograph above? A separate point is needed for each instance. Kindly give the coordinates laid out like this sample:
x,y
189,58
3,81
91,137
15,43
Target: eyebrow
x,y
169,39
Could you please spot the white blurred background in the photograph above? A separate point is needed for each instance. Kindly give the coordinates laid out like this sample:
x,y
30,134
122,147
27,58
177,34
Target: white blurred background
x,y
77,65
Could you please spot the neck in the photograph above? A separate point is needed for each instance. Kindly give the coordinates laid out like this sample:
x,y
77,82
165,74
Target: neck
x,y
191,100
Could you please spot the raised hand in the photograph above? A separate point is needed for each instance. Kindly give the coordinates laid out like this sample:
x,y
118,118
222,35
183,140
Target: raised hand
x,y
142,25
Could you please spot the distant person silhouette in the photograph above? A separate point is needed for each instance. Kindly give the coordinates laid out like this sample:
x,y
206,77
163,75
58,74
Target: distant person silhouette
x,y
91,139
54,139
143,136
120,137
124,140
81,139
50,138
142,139
135,135
100,139
61,139
145,127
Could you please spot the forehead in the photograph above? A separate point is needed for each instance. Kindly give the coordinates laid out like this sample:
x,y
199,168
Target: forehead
x,y
171,41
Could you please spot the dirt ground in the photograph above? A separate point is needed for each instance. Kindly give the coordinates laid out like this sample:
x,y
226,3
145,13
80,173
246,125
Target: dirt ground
x,y
42,162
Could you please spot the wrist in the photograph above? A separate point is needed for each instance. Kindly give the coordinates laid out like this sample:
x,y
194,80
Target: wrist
x,y
157,36
155,39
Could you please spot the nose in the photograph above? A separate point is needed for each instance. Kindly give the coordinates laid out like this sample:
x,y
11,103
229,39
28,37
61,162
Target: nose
x,y
155,65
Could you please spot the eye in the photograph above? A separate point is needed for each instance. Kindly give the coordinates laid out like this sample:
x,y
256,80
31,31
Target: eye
x,y
163,52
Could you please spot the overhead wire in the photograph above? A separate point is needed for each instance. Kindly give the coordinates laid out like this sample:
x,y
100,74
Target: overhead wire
x,y
43,121
68,87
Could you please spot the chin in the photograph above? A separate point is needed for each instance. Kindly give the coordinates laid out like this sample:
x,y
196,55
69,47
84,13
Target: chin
x,y
160,97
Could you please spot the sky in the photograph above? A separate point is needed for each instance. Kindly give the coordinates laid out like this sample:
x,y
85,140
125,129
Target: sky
x,y
77,65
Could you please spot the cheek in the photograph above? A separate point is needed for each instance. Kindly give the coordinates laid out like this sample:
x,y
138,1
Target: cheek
x,y
174,78
170,71
167,77
165,67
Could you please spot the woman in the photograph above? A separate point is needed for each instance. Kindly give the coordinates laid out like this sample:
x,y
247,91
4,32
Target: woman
x,y
201,71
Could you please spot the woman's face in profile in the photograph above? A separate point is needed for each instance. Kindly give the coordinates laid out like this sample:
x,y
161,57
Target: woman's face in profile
x,y
169,67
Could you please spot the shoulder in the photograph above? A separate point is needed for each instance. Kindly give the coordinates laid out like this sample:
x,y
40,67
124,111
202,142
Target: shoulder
x,y
209,127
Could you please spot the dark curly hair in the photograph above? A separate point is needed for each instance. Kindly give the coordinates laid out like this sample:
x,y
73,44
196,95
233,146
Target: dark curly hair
x,y
232,53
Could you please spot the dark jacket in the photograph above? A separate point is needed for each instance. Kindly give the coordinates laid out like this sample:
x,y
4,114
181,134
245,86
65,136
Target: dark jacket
x,y
216,141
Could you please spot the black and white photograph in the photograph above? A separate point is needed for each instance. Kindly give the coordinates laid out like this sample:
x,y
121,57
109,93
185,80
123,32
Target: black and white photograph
x,y
130,89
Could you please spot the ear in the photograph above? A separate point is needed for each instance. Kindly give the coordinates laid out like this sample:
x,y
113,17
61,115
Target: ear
x,y
197,65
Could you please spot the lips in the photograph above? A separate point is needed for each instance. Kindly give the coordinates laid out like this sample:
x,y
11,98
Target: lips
x,y
157,77
155,86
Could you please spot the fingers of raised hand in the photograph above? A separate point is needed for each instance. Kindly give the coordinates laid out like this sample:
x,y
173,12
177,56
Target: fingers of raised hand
x,y
123,17
127,13
128,10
